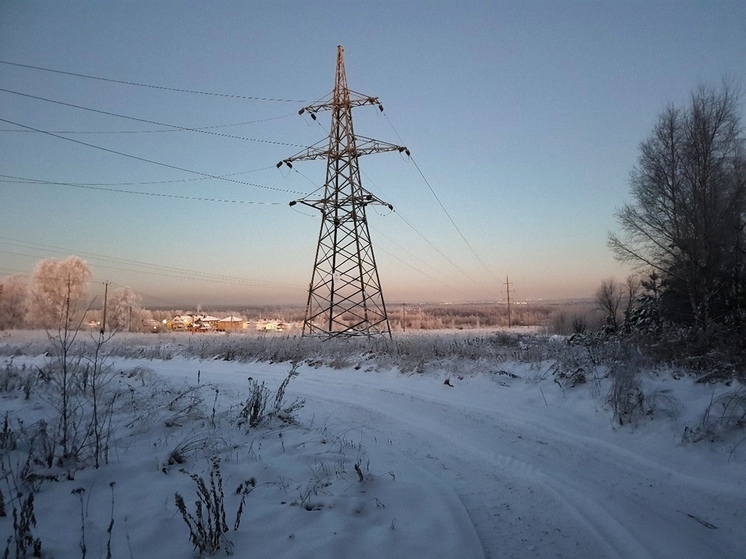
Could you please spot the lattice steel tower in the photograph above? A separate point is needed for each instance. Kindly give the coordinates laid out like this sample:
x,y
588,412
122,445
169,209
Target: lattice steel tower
x,y
344,296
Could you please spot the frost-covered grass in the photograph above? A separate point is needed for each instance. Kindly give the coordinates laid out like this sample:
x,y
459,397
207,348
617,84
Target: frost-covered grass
x,y
439,445
415,352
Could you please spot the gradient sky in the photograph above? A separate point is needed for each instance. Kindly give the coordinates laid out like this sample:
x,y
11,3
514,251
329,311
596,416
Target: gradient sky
x,y
524,117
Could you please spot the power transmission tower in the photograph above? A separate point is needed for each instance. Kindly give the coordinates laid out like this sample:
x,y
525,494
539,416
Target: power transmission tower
x,y
344,296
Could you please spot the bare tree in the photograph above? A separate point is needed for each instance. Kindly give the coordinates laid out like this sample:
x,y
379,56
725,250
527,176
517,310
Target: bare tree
x,y
689,190
631,288
57,291
124,309
13,302
609,296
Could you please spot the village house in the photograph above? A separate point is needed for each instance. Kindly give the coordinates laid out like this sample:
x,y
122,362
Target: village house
x,y
231,324
205,323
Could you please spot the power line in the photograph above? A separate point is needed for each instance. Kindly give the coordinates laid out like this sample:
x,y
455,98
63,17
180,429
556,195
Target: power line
x,y
54,249
379,247
161,87
448,215
148,295
405,221
392,241
208,175
414,257
155,269
440,203
156,194
444,210
23,180
28,275
154,131
154,122
436,249
21,272
202,276
424,238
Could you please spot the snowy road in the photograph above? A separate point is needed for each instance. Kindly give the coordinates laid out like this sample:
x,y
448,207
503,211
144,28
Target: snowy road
x,y
537,478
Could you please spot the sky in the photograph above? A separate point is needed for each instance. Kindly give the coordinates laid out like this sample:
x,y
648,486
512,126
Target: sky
x,y
523,120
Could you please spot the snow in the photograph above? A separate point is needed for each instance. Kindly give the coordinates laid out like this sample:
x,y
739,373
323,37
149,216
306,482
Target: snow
x,y
504,462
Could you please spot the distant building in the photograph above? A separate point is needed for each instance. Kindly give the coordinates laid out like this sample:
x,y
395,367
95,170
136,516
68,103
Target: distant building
x,y
231,324
272,325
204,323
180,322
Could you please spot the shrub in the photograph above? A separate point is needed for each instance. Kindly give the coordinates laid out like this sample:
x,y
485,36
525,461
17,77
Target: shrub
x,y
626,397
24,519
208,525
724,414
255,410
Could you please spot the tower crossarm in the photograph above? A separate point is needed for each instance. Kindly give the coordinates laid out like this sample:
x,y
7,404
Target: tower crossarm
x,y
354,99
328,204
366,146
362,146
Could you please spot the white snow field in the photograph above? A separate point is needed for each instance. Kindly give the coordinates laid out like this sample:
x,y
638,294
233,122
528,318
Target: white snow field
x,y
503,461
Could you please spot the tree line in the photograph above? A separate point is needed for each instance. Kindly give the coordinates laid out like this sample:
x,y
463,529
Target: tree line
x,y
55,297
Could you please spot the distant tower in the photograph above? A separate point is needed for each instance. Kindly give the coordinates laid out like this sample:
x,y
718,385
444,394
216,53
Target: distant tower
x,y
344,296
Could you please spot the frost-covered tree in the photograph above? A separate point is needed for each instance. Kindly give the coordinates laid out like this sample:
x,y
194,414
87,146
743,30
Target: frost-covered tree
x,y
123,310
13,302
687,221
58,288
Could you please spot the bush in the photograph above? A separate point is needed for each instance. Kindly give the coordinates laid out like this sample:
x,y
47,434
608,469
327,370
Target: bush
x,y
255,410
626,397
208,525
725,414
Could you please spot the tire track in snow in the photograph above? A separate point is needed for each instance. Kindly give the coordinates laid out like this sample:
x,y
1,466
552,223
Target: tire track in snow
x,y
485,469
474,448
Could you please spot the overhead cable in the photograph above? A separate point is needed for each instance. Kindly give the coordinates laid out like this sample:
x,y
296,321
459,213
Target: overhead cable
x,y
379,248
192,128
208,175
440,203
436,249
157,194
413,257
174,126
145,267
23,180
161,87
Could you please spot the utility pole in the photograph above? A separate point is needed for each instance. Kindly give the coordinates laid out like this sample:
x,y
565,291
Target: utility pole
x,y
403,318
344,296
507,287
106,297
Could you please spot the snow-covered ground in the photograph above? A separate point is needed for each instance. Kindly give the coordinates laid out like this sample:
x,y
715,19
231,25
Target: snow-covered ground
x,y
502,461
